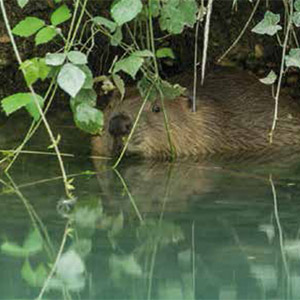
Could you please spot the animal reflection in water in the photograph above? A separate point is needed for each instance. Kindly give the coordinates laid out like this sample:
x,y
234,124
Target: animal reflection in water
x,y
225,216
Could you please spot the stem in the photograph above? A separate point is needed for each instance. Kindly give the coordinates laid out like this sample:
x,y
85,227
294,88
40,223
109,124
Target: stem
x,y
206,38
241,33
78,24
34,126
275,118
36,101
67,47
133,129
196,58
152,39
166,123
37,152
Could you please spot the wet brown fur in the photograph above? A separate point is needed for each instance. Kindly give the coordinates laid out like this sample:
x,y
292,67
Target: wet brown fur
x,y
234,115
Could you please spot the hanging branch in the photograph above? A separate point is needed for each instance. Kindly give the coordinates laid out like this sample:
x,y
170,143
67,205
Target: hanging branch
x,y
206,38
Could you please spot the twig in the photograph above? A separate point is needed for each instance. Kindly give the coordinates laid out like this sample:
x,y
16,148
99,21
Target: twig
x,y
241,33
280,75
152,40
37,152
133,129
196,59
206,38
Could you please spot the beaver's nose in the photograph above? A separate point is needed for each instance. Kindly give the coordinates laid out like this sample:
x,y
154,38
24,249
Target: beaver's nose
x,y
119,125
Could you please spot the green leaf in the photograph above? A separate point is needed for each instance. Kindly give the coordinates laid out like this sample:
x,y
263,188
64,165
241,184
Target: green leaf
x,y
77,57
110,25
129,65
88,96
34,69
116,37
45,35
293,58
89,81
268,25
167,90
55,59
44,70
170,91
60,15
297,5
33,110
143,53
12,103
22,3
165,52
88,119
269,79
124,11
71,79
30,68
28,26
155,8
118,81
296,18
175,14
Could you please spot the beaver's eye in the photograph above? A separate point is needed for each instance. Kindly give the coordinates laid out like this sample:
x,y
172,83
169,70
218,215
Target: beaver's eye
x,y
155,108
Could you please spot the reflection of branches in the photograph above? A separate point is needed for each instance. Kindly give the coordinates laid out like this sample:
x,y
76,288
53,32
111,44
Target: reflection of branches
x,y
132,201
47,180
279,226
193,259
61,248
151,271
36,221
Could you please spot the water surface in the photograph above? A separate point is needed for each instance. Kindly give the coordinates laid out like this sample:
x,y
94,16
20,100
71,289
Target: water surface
x,y
209,230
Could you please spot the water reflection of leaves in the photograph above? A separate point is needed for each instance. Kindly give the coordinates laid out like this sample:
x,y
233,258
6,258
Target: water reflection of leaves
x,y
34,277
69,272
32,245
124,264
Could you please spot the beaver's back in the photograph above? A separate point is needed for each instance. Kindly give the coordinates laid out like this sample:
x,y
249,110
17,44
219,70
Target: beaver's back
x,y
248,111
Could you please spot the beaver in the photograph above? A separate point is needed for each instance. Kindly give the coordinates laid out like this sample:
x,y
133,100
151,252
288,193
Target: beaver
x,y
234,115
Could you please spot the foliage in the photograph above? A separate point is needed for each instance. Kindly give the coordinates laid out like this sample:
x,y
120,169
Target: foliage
x,y
69,68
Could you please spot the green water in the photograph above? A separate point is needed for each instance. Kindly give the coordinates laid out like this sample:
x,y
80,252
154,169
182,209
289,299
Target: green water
x,y
188,230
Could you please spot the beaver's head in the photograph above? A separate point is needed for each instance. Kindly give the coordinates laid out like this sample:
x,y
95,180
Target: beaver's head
x,y
160,127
